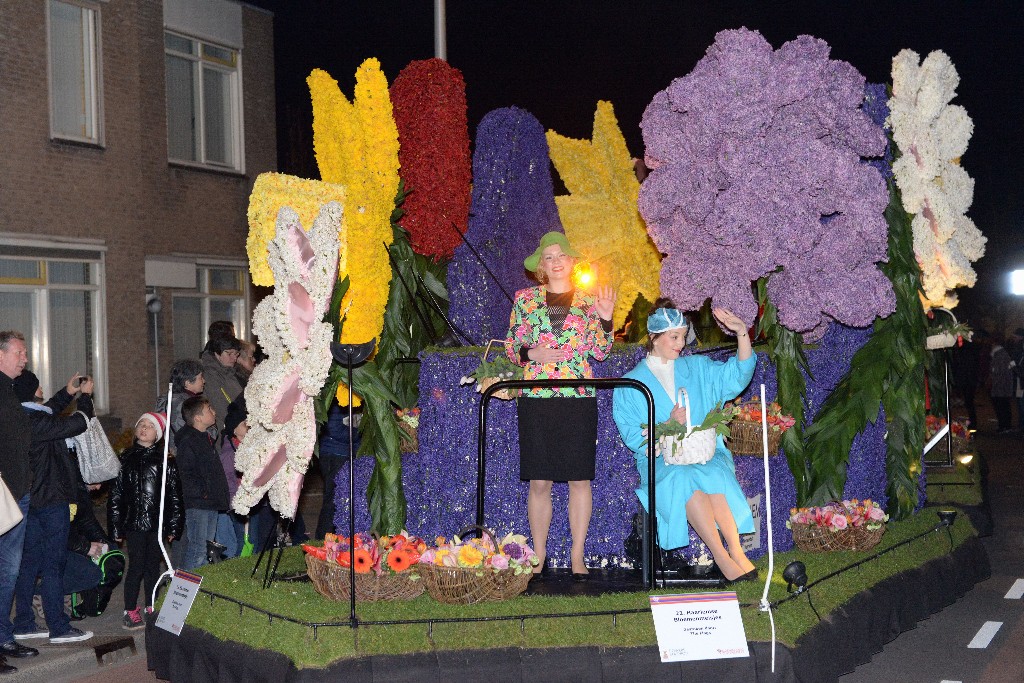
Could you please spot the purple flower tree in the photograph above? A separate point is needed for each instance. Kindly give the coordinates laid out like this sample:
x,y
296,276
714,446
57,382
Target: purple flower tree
x,y
757,169
513,206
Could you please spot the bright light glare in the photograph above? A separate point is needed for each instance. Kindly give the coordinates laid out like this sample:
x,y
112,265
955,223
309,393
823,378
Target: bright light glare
x,y
1017,282
966,459
583,275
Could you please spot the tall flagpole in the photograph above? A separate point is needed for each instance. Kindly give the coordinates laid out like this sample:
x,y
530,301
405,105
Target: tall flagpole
x,y
440,31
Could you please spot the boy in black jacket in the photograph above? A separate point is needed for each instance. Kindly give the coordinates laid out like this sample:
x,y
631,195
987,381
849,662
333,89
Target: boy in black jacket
x,y
133,512
203,484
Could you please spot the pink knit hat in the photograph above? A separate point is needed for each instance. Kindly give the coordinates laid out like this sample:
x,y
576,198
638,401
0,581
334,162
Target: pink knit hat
x,y
158,421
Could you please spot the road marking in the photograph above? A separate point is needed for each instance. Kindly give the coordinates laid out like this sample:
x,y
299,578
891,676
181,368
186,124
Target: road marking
x,y
945,681
1016,591
985,634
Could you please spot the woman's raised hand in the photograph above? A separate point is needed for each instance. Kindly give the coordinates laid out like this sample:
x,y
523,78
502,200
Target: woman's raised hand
x,y
605,305
729,320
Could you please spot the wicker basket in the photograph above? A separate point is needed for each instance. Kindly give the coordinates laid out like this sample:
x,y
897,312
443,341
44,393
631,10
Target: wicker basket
x,y
481,386
463,586
745,438
332,582
812,538
413,444
696,448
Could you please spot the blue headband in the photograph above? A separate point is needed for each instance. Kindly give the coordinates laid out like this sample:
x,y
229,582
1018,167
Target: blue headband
x,y
664,319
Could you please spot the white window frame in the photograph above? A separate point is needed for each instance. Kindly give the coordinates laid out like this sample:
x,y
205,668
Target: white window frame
x,y
93,84
242,324
237,163
39,353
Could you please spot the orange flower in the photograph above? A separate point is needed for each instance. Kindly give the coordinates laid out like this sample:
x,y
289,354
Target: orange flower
x,y
399,560
363,561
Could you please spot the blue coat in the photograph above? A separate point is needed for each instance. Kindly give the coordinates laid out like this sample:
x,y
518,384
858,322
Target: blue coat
x,y
708,384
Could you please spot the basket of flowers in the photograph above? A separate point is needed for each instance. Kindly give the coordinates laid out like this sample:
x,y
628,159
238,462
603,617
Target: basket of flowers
x,y
468,570
408,425
386,567
842,525
745,436
492,371
958,432
681,444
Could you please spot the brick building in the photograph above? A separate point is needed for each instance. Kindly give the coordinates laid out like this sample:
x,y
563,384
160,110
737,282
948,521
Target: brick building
x,y
130,135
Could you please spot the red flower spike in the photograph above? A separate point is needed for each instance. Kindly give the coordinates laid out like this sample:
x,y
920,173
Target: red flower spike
x,y
429,102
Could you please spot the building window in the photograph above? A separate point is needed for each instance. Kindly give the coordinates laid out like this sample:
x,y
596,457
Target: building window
x,y
57,303
74,70
203,96
220,295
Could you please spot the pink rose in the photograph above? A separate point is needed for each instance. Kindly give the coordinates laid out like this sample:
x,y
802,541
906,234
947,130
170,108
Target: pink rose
x,y
839,522
876,514
499,562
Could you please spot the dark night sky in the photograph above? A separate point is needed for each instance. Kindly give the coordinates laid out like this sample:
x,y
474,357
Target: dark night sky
x,y
556,59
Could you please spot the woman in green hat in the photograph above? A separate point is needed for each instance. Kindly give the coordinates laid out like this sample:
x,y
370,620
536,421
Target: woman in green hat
x,y
554,330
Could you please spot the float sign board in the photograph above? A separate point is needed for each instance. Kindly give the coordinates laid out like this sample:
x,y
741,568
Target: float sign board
x,y
694,626
180,596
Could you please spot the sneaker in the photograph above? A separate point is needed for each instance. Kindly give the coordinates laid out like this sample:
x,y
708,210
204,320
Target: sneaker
x,y
73,635
149,610
34,632
132,620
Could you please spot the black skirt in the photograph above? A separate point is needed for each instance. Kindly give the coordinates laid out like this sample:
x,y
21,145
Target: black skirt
x,y
557,438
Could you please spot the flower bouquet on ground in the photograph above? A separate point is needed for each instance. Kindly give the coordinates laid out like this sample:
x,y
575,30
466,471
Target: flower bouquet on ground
x,y
492,371
841,525
386,567
958,431
408,425
469,570
745,437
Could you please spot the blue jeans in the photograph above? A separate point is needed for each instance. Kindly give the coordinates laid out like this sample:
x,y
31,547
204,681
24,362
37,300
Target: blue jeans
x,y
230,533
45,555
200,527
11,545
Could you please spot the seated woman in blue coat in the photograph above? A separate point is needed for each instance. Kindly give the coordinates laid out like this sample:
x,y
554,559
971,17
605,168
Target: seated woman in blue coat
x,y
708,495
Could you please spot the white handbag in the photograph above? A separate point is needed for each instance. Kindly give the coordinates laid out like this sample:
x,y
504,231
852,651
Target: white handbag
x,y
696,448
96,458
10,513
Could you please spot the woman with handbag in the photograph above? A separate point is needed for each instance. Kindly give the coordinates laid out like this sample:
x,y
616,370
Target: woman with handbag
x,y
553,332
706,495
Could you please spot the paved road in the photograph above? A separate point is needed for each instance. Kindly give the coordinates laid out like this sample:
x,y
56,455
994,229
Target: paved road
x,y
979,638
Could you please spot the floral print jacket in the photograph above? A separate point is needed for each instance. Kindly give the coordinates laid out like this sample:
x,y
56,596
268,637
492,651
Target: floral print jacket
x,y
530,327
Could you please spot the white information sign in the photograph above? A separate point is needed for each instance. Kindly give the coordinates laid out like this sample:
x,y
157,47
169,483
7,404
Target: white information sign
x,y
180,596
753,541
699,626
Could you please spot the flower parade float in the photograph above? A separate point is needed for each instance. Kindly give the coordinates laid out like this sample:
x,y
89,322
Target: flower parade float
x,y
772,193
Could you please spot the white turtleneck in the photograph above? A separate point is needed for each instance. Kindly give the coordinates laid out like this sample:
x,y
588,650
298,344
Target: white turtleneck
x,y
665,372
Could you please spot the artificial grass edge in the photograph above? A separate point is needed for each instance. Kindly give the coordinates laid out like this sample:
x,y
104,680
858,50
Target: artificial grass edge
x,y
299,600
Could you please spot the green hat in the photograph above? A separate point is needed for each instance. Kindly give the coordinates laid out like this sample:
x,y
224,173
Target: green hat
x,y
533,260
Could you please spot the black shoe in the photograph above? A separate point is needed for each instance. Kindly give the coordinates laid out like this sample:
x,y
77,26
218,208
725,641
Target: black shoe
x,y
17,650
580,576
749,576
6,668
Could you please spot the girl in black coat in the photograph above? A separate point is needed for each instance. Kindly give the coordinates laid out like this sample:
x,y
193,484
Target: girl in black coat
x,y
133,510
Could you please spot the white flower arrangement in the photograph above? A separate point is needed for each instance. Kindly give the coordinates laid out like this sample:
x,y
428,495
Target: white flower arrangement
x,y
289,326
932,135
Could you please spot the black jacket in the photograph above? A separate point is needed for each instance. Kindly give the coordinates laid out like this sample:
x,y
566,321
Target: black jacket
x,y
85,528
15,439
203,483
53,479
134,500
